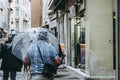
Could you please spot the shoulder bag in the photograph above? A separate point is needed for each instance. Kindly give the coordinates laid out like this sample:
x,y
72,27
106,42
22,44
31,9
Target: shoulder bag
x,y
48,69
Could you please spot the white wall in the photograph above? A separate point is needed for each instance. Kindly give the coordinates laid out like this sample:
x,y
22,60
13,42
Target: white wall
x,y
99,17
4,14
45,12
24,7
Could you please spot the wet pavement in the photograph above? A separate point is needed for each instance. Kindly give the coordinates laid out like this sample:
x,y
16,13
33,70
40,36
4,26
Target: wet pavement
x,y
62,74
67,74
20,76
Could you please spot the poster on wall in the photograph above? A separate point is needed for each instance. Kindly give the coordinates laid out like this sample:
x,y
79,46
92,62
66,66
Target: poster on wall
x,y
82,46
62,48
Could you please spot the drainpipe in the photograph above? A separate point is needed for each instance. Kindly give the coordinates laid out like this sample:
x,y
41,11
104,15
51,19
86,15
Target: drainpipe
x,y
117,29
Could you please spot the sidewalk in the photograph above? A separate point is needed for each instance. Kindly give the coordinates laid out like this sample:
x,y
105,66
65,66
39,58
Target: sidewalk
x,y
87,77
20,76
62,74
67,73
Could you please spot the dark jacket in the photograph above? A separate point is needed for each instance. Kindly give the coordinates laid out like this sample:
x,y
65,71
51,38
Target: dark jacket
x,y
9,61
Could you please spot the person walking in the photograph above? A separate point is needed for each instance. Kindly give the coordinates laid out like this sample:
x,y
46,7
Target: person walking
x,y
10,64
48,55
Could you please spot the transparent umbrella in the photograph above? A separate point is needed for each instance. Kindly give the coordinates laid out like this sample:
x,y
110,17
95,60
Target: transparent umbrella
x,y
23,41
50,37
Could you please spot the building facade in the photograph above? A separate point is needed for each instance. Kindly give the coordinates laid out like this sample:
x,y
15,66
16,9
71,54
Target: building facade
x,y
87,29
45,12
4,16
19,16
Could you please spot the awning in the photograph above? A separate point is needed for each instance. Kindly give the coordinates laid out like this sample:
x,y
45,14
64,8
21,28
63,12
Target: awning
x,y
51,6
55,4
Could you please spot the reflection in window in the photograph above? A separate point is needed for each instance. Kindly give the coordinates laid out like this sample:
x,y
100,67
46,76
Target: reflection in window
x,y
82,32
82,35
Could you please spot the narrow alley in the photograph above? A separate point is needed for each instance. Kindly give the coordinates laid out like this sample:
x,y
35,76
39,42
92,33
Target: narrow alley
x,y
84,33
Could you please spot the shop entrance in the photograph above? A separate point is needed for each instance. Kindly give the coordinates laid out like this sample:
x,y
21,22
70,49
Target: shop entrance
x,y
79,35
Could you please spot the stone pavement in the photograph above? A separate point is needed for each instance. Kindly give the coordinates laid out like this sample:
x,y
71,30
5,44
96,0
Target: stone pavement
x,y
20,76
62,74
67,74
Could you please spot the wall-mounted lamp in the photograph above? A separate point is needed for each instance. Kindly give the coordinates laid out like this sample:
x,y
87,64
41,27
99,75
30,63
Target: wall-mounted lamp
x,y
77,20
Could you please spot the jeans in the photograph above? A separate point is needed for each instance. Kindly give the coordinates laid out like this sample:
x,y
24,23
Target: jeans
x,y
12,75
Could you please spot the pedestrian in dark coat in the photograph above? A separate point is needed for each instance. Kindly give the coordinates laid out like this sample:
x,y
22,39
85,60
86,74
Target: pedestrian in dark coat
x,y
10,63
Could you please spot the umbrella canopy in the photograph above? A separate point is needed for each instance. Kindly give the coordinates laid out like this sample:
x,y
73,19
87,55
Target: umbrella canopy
x,y
49,36
23,41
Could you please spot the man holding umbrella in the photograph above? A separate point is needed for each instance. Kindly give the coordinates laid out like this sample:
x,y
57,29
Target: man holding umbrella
x,y
41,52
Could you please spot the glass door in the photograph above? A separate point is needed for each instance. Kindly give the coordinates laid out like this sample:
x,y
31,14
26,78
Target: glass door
x,y
76,41
79,42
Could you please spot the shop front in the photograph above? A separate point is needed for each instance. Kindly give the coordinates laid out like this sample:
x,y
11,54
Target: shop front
x,y
78,41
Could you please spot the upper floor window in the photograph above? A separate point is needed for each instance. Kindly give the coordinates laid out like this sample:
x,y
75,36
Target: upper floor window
x,y
17,12
17,1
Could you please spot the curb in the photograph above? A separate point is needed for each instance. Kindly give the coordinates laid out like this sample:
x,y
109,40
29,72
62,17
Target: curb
x,y
88,77
78,71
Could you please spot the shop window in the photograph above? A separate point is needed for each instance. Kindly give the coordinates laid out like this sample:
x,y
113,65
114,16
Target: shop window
x,y
17,12
82,35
